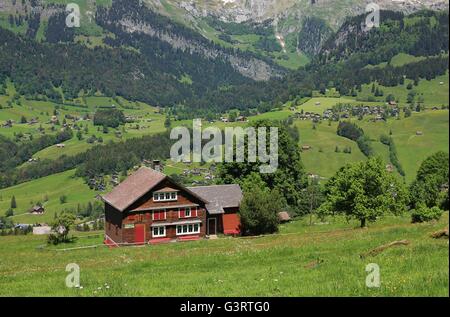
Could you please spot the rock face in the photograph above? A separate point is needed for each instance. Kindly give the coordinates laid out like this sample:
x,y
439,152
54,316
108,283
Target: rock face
x,y
261,10
251,67
313,34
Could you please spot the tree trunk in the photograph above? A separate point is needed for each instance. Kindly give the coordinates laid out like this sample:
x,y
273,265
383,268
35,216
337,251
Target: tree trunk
x,y
363,222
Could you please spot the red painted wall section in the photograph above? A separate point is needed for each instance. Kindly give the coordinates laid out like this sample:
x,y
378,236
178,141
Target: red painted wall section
x,y
231,224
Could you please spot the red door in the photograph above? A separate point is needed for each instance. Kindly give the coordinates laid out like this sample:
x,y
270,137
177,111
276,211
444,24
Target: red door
x,y
139,234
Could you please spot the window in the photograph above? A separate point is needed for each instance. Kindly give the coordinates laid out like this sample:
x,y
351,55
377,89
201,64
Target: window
x,y
187,212
188,229
170,196
128,226
159,215
159,232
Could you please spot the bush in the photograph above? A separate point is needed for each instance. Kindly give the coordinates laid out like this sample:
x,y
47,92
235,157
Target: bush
x,y
423,214
9,213
364,145
63,199
60,229
109,118
259,211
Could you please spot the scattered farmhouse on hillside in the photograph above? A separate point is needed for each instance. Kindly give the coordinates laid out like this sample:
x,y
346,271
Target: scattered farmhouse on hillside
x,y
149,207
37,210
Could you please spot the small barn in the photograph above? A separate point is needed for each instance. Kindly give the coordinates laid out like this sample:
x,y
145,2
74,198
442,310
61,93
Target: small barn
x,y
37,210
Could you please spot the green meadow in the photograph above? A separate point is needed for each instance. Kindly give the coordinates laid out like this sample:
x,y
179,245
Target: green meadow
x,y
319,260
434,92
46,190
321,159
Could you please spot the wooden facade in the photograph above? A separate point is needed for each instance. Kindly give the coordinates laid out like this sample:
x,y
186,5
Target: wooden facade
x,y
166,212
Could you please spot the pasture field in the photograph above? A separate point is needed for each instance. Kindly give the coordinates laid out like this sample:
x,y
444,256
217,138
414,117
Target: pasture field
x,y
302,260
148,121
322,159
432,91
412,149
46,190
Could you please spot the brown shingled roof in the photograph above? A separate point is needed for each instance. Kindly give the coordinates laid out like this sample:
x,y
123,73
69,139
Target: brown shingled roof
x,y
133,188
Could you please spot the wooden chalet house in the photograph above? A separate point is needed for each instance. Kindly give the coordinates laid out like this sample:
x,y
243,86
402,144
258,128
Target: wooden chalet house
x,y
149,207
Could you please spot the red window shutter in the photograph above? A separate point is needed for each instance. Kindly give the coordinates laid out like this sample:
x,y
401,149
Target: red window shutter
x,y
161,215
148,215
182,213
194,212
155,215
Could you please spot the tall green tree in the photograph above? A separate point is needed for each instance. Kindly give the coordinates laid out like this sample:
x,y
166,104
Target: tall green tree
x,y
431,182
364,191
289,178
259,211
13,202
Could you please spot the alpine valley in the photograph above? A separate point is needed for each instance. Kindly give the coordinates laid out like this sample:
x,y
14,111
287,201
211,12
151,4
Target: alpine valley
x,y
83,108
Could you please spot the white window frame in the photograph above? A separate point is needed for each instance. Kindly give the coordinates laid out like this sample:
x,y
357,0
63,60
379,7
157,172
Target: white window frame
x,y
165,214
186,226
190,212
159,235
167,196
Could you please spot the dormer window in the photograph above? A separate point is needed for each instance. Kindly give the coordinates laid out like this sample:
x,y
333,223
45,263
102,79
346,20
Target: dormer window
x,y
165,196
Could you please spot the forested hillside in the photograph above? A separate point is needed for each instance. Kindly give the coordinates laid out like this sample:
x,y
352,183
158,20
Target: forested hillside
x,y
147,57
344,60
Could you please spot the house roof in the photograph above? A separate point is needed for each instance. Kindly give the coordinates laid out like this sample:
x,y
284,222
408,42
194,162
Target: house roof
x,y
137,185
133,187
219,196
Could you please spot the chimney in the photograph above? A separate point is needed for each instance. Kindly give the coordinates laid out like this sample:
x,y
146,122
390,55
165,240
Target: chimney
x,y
157,165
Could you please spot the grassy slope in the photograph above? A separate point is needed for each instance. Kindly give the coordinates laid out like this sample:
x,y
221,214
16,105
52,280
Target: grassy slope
x,y
43,110
322,158
29,193
433,93
274,265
